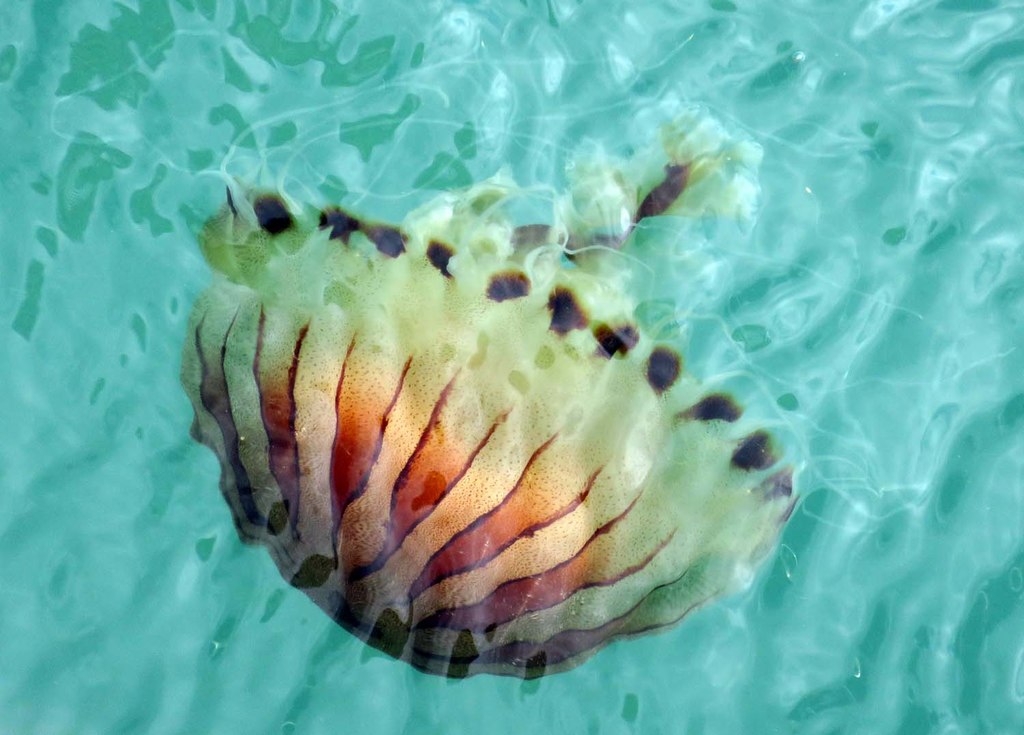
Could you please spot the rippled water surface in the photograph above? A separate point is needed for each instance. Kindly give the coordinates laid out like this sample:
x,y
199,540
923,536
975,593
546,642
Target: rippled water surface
x,y
875,311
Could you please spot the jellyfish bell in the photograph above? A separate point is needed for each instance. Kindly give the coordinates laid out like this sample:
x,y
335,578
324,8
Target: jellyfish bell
x,y
460,443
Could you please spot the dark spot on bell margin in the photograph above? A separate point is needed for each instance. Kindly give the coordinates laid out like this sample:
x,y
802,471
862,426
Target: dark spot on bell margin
x,y
341,223
465,646
508,285
389,633
272,214
439,254
277,520
664,194
389,241
464,652
663,368
754,452
566,312
613,341
314,572
536,665
715,407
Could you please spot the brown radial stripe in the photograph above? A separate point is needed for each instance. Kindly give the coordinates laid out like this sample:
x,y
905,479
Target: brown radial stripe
x,y
459,475
216,399
664,194
677,618
419,486
495,530
524,595
277,405
335,455
358,441
565,644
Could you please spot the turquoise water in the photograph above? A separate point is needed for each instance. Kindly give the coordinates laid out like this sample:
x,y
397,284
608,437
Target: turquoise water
x,y
874,312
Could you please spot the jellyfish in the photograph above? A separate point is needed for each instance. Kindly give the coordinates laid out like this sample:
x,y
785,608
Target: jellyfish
x,y
454,435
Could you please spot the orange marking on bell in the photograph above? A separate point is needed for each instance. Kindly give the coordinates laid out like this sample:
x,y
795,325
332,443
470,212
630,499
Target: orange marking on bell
x,y
424,485
358,433
277,421
516,517
355,452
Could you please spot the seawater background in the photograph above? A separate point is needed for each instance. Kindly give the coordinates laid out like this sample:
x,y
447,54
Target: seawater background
x,y
874,313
